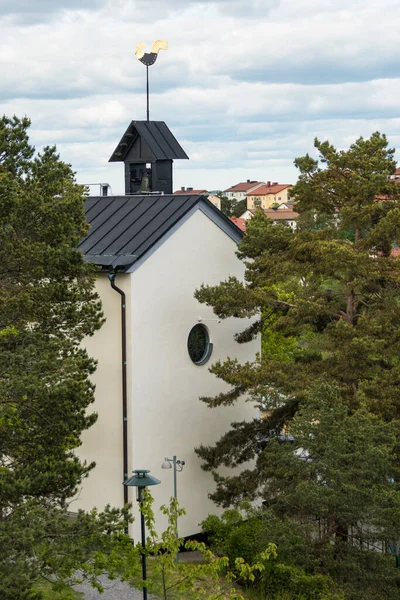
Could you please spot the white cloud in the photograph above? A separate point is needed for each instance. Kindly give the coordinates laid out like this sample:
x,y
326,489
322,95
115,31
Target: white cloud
x,y
244,86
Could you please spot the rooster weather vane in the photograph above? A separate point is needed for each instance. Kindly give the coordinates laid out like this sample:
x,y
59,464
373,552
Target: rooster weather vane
x,y
148,59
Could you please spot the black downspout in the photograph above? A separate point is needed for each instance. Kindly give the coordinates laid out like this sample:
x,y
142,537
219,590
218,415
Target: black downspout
x,y
111,277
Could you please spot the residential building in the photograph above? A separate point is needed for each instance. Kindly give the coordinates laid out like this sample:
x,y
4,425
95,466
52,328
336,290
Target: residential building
x,y
216,200
268,195
238,192
396,175
282,214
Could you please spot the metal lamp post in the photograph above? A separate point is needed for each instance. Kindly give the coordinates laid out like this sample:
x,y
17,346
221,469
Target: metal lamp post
x,y
177,465
141,479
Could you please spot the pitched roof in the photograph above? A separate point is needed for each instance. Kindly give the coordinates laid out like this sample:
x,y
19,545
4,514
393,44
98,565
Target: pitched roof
x,y
282,214
239,222
156,135
279,214
123,228
190,192
272,189
243,187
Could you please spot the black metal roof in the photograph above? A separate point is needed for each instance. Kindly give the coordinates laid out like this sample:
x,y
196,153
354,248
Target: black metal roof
x,y
123,228
161,142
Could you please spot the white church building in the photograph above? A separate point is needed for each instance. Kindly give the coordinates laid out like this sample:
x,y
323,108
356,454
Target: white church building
x,y
153,250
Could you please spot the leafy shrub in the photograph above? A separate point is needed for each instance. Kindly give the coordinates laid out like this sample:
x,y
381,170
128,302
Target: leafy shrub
x,y
246,531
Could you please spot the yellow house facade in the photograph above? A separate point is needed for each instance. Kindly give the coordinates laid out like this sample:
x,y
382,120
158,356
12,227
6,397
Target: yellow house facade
x,y
216,200
268,195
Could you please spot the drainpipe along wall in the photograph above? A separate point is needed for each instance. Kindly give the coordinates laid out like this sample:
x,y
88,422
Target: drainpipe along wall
x,y
111,277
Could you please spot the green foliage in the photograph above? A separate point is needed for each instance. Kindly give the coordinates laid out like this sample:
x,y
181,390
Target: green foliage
x,y
48,593
325,298
238,532
341,467
245,531
47,306
212,578
293,583
231,207
305,567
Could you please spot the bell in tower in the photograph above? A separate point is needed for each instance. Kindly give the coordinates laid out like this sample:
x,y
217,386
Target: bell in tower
x,y
145,187
148,150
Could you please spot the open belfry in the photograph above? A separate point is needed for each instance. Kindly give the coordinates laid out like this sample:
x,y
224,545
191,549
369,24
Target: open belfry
x,y
148,148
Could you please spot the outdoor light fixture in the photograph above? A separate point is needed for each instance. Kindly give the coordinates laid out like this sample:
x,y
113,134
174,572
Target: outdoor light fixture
x,y
177,465
141,479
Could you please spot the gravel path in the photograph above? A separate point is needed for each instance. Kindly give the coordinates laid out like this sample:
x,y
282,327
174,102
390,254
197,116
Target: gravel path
x,y
119,590
113,590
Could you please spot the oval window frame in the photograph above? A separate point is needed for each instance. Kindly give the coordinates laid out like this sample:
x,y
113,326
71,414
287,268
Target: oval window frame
x,y
208,350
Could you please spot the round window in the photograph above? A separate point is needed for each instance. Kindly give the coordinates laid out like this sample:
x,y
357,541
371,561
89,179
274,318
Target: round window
x,y
199,345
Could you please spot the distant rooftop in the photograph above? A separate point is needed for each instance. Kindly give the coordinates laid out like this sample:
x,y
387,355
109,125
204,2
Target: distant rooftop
x,y
274,188
239,222
190,191
282,214
244,186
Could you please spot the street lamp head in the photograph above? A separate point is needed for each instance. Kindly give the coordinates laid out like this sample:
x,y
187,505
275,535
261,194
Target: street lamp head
x,y
166,464
141,479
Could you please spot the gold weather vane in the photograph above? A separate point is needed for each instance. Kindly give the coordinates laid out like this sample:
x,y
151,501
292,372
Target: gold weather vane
x,y
148,59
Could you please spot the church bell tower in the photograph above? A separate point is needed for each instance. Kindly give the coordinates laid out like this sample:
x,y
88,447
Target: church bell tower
x,y
148,149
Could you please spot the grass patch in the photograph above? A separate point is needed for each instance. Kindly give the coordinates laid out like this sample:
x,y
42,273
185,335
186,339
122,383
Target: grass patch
x,y
50,594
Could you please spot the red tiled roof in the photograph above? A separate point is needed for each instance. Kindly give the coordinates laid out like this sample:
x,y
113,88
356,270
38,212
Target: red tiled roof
x,y
283,213
278,215
397,171
272,189
190,192
243,187
239,222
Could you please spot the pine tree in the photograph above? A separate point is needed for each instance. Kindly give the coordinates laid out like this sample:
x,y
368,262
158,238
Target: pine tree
x,y
326,299
232,207
47,306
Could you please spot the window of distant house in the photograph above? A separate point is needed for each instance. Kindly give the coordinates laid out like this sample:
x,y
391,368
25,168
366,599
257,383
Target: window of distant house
x,y
199,344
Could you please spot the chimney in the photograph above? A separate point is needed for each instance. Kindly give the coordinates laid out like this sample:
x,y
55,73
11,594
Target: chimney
x,y
183,189
268,184
189,189
248,181
275,183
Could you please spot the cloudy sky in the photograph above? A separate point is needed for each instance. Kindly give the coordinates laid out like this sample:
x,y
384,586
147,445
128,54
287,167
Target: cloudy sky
x,y
245,85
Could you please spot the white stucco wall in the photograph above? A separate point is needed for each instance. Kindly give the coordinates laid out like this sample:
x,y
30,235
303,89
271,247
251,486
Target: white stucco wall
x,y
102,443
167,416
